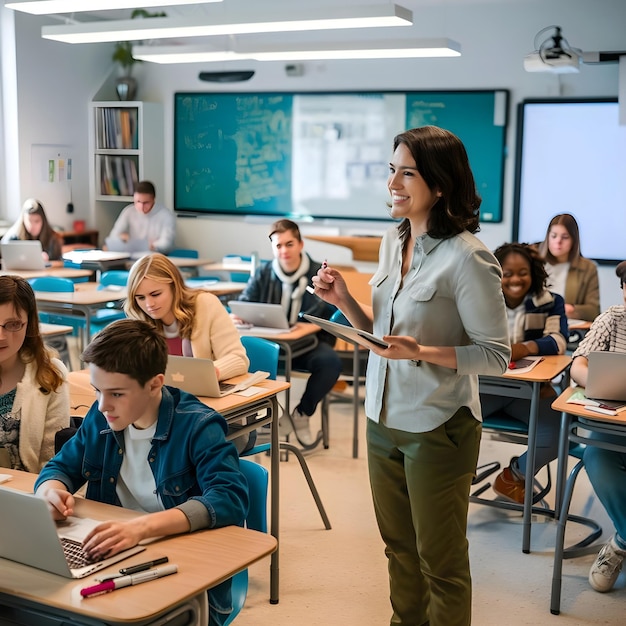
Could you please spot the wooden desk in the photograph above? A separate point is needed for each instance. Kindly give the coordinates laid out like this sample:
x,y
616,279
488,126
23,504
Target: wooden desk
x,y
59,270
363,248
54,330
527,385
204,559
82,301
233,407
293,343
75,237
578,425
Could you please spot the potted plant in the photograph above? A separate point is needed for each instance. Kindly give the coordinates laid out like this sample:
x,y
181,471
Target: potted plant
x,y
126,85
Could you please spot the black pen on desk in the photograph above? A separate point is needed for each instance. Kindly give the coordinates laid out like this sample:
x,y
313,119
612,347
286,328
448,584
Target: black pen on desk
x,y
142,567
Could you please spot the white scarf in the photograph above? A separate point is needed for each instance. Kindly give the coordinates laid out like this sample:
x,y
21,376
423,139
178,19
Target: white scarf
x,y
292,294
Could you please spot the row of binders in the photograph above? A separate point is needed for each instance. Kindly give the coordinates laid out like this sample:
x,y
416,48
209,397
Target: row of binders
x,y
117,128
118,176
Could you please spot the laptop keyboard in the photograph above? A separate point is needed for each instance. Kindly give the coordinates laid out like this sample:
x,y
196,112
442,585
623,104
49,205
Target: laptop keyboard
x,y
226,386
74,554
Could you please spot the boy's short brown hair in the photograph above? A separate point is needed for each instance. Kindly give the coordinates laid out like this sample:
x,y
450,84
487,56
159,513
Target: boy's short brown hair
x,y
131,347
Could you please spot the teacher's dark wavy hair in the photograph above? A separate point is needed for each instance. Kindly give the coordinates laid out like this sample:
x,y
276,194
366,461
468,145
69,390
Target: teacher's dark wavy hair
x,y
441,160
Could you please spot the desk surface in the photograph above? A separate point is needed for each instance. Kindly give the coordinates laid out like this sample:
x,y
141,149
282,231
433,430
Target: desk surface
x,y
83,297
363,248
83,395
549,368
204,559
301,330
50,330
59,271
561,404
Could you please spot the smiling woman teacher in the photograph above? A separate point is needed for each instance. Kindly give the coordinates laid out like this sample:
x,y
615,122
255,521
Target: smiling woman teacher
x,y
437,299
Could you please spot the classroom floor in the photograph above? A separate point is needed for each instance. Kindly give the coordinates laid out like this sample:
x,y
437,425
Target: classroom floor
x,y
339,576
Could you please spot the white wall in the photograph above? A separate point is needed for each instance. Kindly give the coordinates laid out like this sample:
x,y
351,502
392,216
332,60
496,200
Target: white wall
x,y
56,81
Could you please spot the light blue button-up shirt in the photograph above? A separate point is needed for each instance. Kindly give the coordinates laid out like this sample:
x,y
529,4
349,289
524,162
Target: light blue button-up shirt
x,y
451,296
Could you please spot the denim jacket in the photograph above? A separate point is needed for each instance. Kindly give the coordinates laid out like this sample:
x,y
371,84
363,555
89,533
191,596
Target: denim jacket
x,y
194,467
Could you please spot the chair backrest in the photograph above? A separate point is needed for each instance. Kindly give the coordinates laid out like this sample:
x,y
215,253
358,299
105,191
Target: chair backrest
x,y
52,283
263,355
186,253
257,477
114,277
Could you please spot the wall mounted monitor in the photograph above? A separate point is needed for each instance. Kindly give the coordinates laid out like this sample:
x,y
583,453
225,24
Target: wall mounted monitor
x,y
321,155
571,158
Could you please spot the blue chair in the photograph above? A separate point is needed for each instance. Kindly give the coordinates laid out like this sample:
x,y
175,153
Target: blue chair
x,y
103,317
263,355
62,285
257,477
186,253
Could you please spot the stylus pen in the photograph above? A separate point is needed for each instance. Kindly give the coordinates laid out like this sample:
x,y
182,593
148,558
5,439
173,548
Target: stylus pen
x,y
126,581
133,569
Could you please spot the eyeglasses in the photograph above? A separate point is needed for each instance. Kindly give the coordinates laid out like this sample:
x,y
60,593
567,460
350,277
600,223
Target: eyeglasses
x,y
13,326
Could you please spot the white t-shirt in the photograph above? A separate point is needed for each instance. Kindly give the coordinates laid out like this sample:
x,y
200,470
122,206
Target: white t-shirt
x,y
516,324
136,488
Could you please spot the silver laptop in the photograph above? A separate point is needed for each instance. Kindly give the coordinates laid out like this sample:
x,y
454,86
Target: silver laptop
x,y
261,315
30,536
198,376
22,255
606,379
132,246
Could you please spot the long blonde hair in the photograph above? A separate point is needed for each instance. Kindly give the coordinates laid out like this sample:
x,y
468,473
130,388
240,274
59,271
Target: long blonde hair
x,y
159,268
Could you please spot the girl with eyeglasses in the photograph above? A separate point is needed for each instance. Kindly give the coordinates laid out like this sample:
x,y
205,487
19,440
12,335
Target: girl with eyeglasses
x,y
34,393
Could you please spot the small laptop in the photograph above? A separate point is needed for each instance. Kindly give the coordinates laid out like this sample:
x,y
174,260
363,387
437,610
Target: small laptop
x,y
132,246
30,536
198,377
22,255
606,379
271,317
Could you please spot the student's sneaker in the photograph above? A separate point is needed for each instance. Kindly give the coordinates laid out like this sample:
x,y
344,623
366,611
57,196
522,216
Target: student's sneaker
x,y
302,429
607,566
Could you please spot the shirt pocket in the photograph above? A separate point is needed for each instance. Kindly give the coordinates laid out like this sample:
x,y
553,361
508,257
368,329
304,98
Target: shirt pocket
x,y
179,485
423,293
378,279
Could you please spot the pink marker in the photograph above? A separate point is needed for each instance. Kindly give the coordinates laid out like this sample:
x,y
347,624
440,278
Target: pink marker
x,y
324,264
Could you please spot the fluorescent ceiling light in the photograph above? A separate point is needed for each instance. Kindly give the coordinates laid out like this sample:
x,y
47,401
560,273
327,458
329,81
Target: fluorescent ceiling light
x,y
48,7
391,49
251,22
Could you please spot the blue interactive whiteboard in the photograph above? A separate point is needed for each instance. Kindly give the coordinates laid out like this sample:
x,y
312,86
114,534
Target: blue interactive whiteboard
x,y
321,155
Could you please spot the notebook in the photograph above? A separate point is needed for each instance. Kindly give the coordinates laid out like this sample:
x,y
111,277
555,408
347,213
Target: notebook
x,y
30,536
22,255
606,379
261,315
198,376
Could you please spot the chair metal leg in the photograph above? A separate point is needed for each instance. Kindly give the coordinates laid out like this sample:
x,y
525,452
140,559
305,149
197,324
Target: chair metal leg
x,y
309,480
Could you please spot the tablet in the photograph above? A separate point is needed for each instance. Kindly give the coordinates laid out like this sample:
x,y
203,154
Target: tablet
x,y
348,333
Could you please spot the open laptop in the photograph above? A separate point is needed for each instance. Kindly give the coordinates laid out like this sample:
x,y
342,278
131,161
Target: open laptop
x,y
22,255
268,317
198,376
134,247
30,536
606,379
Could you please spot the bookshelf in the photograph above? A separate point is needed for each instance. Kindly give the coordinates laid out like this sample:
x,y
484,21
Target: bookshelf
x,y
126,144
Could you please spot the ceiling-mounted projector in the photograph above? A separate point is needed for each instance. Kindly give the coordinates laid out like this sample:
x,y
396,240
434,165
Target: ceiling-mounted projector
x,y
553,55
548,61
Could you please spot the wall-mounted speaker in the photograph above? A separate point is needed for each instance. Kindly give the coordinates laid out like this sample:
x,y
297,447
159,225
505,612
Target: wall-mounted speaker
x,y
226,77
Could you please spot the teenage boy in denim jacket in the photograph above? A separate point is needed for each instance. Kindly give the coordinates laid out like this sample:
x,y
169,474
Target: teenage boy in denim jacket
x,y
146,447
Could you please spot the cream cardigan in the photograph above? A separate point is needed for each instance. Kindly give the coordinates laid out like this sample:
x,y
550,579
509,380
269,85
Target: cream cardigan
x,y
215,337
42,415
